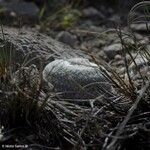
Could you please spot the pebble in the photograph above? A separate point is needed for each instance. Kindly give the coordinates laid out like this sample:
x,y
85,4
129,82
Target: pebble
x,y
92,12
141,27
28,11
66,38
140,60
112,50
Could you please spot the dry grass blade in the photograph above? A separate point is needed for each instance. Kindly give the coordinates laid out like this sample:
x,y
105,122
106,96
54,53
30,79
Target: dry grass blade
x,y
113,143
113,77
133,18
125,48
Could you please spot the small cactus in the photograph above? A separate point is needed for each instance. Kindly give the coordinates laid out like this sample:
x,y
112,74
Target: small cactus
x,y
78,76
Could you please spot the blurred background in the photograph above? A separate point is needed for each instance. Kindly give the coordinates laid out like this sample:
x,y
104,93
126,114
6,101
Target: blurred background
x,y
62,14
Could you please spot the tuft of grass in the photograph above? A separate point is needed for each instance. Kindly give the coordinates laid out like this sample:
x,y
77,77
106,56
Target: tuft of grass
x,y
127,109
27,114
63,18
132,132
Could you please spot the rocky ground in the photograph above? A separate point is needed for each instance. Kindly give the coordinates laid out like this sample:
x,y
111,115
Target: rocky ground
x,y
115,38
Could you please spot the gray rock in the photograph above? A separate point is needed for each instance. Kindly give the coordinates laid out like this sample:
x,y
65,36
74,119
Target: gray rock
x,y
140,60
143,66
115,19
141,27
76,76
86,23
27,11
112,50
94,43
92,12
66,38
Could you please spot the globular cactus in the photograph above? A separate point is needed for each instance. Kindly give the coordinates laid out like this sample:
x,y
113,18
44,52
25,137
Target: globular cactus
x,y
76,77
27,79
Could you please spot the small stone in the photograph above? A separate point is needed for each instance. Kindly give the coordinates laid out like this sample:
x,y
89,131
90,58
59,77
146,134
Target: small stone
x,y
92,12
66,38
141,61
86,23
141,27
143,66
115,18
118,57
101,54
94,43
28,11
112,50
